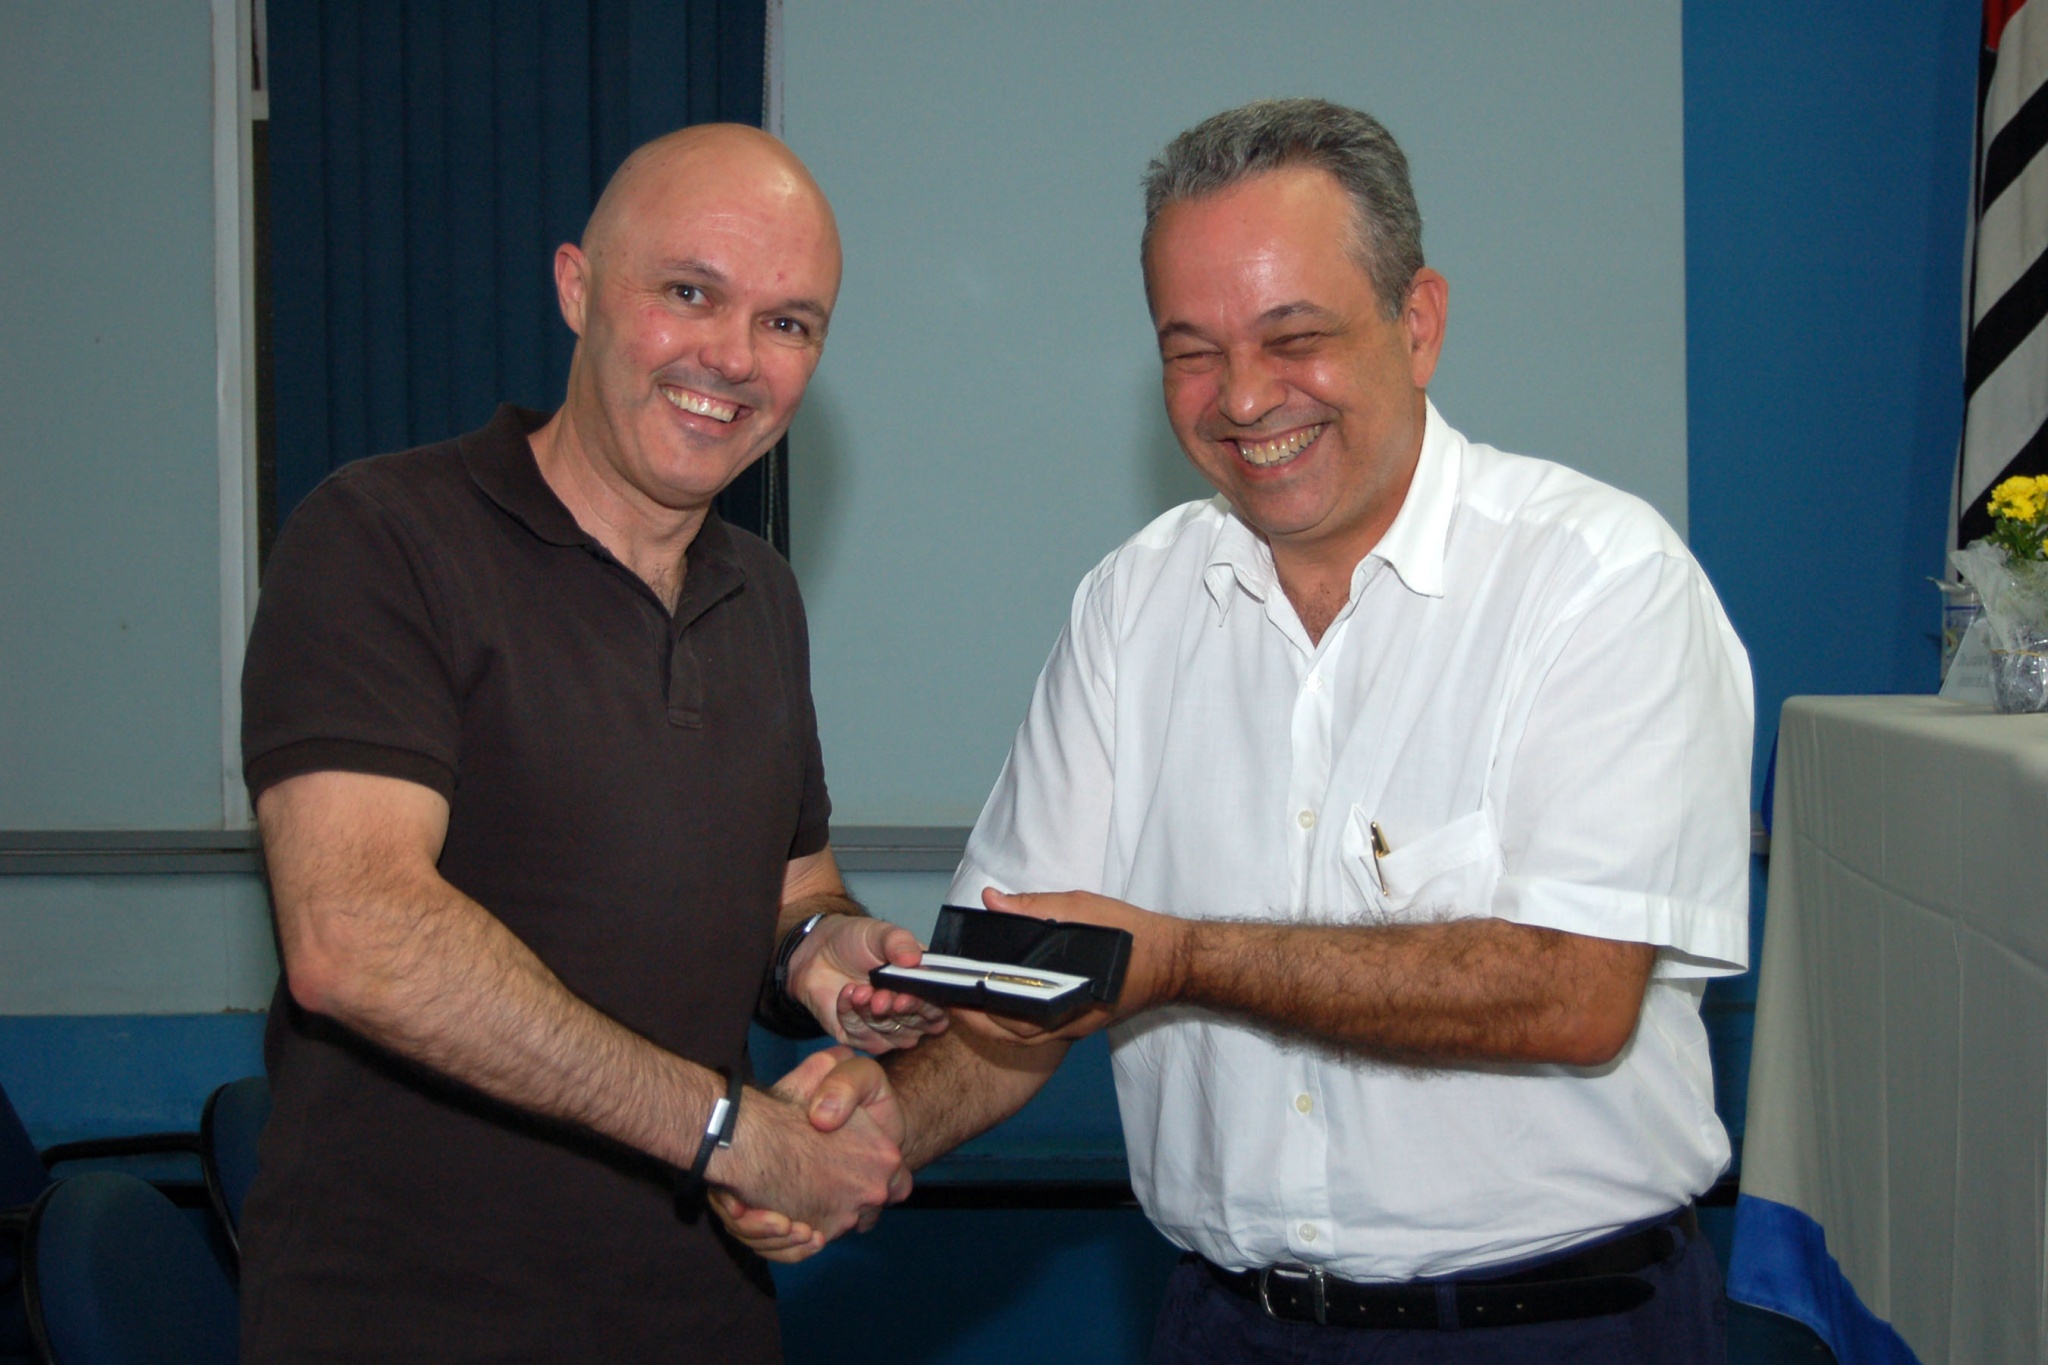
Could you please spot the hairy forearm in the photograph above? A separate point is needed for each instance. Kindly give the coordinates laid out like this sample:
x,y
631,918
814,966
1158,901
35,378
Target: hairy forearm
x,y
373,937
1469,990
960,1084
437,979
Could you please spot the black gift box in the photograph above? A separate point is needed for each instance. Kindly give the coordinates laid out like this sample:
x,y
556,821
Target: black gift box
x,y
979,958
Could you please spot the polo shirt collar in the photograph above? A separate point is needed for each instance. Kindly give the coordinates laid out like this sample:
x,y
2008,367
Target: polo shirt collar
x,y
501,463
713,570
1414,546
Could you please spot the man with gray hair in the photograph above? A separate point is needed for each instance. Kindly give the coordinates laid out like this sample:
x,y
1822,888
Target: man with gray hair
x,y
1430,765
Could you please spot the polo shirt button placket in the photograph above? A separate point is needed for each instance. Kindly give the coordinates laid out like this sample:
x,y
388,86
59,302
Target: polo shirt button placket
x,y
685,685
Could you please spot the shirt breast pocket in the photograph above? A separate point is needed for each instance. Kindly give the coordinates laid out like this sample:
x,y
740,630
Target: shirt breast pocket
x,y
1449,872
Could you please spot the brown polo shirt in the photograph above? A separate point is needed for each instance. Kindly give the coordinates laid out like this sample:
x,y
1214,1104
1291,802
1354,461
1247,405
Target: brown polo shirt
x,y
625,788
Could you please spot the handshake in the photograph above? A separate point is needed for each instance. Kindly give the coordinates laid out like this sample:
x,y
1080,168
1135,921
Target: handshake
x,y
825,1149
820,1152
822,1157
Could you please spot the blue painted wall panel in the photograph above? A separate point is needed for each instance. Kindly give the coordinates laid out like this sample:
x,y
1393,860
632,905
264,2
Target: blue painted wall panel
x,y
1827,154
73,1076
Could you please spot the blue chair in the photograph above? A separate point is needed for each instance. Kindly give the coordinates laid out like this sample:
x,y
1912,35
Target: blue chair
x,y
228,1131
25,1171
22,1177
113,1274
22,1172
25,1174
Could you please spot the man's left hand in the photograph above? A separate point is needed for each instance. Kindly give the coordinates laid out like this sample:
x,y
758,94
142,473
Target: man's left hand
x,y
829,975
1158,950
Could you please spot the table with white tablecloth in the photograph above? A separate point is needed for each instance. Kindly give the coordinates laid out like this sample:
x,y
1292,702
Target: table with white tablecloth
x,y
1895,1167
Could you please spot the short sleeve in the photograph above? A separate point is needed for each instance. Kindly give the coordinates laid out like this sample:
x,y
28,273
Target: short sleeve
x,y
348,666
1626,810
1046,824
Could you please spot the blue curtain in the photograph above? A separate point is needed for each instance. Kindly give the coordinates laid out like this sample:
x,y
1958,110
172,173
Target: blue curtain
x,y
425,158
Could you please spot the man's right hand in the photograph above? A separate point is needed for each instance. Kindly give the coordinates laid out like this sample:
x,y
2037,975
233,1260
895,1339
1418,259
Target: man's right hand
x,y
934,1098
817,1155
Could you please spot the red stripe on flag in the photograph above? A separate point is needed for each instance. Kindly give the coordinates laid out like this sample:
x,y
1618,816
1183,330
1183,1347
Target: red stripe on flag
x,y
1997,14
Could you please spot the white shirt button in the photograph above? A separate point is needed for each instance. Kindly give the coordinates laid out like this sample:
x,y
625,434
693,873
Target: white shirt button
x,y
1308,1232
1315,682
1302,1104
1307,819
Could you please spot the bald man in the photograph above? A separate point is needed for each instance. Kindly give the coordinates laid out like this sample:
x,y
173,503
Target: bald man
x,y
530,738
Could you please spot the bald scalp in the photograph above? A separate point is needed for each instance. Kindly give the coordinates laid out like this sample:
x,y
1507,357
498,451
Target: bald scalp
x,y
729,156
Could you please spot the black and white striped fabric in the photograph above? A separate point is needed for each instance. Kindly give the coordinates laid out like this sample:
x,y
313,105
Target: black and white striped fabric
x,y
2005,431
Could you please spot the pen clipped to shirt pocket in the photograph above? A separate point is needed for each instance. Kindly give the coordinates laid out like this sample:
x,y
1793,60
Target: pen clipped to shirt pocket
x,y
1451,869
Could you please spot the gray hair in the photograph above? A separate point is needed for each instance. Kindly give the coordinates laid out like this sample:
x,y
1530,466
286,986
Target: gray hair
x,y
1269,135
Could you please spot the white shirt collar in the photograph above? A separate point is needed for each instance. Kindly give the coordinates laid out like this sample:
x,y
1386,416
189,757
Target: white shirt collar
x,y
1416,543
1238,561
1413,546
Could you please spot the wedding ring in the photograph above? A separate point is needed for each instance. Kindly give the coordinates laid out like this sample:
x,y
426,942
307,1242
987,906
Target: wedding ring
x,y
886,1026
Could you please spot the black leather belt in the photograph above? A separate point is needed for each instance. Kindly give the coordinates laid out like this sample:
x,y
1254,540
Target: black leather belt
x,y
1588,1283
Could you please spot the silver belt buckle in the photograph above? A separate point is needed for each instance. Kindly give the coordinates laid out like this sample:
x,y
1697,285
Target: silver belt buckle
x,y
1316,1289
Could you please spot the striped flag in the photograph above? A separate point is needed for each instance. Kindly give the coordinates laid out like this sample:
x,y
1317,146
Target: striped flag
x,y
2005,430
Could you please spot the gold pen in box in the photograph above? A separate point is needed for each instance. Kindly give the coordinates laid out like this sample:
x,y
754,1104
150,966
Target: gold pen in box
x,y
1007,978
988,984
1041,970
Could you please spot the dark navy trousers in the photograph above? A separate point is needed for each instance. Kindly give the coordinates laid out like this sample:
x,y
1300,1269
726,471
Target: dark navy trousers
x,y
1202,1323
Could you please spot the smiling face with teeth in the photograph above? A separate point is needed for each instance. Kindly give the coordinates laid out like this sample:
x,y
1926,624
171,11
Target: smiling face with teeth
x,y
699,296
1286,383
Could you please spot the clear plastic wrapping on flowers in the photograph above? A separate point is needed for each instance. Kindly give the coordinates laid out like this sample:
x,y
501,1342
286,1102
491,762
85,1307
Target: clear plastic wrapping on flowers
x,y
2015,595
2015,622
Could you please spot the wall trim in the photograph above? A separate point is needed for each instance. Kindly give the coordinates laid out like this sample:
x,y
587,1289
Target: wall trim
x,y
234,328
899,848
127,852
46,853
153,852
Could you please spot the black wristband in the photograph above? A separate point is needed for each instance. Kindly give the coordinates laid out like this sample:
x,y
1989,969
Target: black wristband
x,y
718,1130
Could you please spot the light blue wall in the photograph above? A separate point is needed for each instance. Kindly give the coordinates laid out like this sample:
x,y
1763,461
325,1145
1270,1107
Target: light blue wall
x,y
986,422
182,944
110,651
911,899
109,522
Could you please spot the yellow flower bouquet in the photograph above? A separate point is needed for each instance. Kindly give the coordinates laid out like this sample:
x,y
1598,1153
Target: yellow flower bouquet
x,y
2019,517
2009,570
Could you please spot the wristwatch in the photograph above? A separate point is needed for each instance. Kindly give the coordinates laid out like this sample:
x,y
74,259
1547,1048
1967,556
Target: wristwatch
x,y
775,1009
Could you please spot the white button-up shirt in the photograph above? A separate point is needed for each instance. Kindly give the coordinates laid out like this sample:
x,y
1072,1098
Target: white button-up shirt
x,y
1535,695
